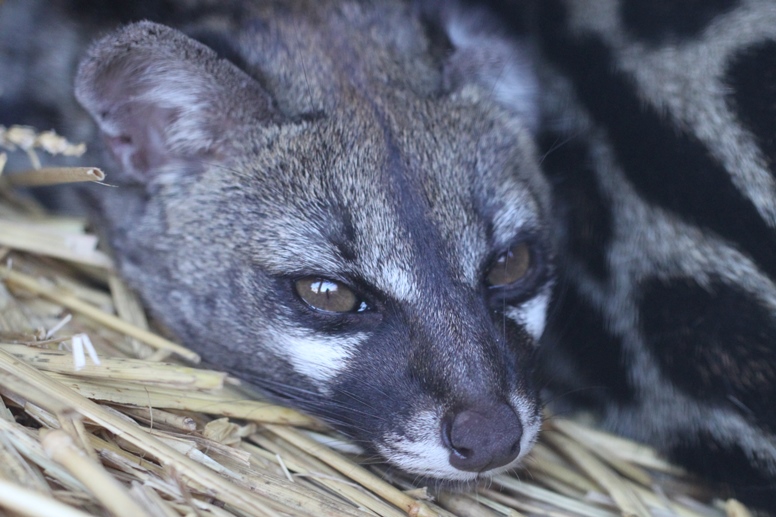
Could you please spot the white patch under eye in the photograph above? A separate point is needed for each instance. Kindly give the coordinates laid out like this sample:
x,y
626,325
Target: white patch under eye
x,y
319,358
532,314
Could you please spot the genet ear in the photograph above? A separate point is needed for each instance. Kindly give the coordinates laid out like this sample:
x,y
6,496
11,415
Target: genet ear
x,y
487,52
162,100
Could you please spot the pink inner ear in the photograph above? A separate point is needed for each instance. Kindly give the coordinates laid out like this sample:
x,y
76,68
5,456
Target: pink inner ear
x,y
162,99
133,160
139,146
120,146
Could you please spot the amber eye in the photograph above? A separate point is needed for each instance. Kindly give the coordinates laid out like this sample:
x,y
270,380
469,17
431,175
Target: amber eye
x,y
326,295
511,266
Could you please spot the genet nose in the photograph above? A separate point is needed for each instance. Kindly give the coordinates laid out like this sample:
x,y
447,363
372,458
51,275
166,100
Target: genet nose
x,y
482,438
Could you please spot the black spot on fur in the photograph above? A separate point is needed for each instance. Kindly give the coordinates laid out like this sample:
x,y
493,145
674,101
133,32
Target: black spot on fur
x,y
727,463
597,356
660,21
752,75
667,166
583,213
716,343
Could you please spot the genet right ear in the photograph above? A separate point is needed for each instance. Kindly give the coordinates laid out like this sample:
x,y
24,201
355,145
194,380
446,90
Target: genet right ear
x,y
162,100
486,52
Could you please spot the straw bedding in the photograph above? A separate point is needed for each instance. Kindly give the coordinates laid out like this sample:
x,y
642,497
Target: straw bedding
x,y
99,415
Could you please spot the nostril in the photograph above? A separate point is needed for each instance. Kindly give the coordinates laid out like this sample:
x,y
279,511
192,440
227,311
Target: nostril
x,y
447,440
462,452
447,429
483,438
515,449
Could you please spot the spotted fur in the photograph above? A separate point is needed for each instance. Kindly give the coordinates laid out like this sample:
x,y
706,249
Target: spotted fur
x,y
401,163
659,133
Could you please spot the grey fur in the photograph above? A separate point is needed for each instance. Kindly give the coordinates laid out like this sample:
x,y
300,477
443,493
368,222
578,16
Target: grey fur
x,y
336,150
683,80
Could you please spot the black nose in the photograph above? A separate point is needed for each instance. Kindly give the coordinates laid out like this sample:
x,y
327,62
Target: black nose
x,y
482,438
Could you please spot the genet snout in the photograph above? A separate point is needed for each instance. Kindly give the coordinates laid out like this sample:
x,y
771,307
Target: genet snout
x,y
482,438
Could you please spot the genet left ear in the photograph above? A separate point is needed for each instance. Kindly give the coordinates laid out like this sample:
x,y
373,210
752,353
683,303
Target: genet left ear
x,y
161,98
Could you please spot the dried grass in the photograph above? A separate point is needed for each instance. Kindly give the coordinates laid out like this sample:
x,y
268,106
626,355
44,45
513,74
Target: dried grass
x,y
134,435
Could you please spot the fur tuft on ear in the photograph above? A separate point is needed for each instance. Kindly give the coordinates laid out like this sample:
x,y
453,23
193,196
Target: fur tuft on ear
x,y
161,99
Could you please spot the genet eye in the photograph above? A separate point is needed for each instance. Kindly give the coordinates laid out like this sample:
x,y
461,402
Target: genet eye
x,y
327,295
510,266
